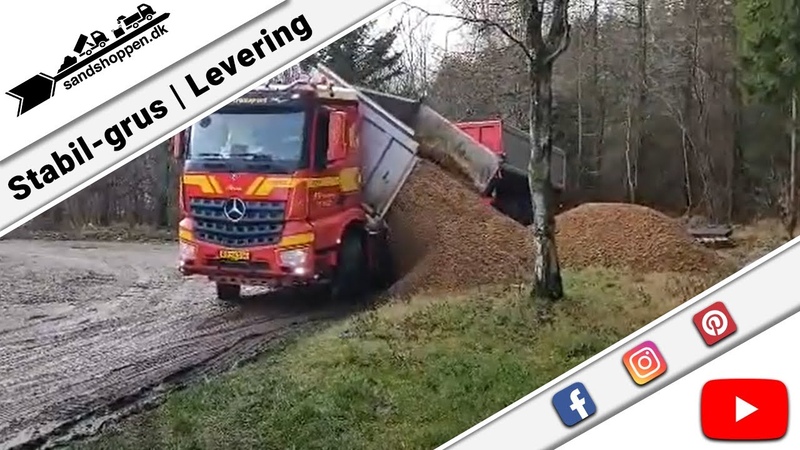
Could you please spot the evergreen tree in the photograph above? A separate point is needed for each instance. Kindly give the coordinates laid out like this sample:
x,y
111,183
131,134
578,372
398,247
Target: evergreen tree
x,y
769,48
363,57
769,56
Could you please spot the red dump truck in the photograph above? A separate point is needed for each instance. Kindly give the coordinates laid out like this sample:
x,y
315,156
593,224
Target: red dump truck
x,y
291,184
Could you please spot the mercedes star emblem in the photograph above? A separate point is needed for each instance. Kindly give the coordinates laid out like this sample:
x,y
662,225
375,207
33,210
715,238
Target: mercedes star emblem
x,y
234,209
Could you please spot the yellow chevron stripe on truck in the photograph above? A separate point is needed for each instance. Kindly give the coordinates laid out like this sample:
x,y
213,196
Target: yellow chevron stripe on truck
x,y
348,180
202,182
268,184
215,185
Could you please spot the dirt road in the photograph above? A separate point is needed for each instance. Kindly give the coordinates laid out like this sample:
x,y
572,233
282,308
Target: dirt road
x,y
89,330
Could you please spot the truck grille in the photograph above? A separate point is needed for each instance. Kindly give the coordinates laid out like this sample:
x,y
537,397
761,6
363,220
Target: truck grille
x,y
262,223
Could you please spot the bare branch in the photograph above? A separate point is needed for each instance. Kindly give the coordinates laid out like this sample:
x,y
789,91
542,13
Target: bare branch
x,y
481,21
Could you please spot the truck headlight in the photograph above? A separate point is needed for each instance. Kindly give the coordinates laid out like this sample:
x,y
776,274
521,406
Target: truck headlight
x,y
294,258
187,251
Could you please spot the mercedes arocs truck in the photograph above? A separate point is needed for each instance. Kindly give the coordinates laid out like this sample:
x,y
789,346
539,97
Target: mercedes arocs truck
x,y
291,184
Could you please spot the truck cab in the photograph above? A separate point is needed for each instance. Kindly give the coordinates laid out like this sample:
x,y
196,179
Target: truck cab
x,y
271,191
146,11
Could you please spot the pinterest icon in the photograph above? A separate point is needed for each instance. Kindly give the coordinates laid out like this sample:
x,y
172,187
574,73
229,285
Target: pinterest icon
x,y
714,323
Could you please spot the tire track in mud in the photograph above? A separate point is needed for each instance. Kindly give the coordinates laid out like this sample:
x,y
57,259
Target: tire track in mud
x,y
89,331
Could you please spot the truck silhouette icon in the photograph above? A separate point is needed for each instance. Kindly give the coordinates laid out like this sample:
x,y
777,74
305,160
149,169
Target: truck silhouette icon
x,y
99,39
143,12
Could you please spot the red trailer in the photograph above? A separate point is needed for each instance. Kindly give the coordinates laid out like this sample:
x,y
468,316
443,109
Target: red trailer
x,y
510,192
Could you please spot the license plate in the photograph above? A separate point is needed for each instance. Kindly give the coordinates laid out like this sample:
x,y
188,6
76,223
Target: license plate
x,y
234,255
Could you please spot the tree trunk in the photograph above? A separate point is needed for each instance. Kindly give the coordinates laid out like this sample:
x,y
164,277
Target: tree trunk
x,y
687,115
546,271
630,179
793,170
597,90
163,196
581,159
639,119
736,146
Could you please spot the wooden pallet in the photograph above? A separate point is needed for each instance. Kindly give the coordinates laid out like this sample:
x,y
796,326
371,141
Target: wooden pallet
x,y
713,236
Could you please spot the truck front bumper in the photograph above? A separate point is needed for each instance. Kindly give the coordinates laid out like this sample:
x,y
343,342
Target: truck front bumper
x,y
263,266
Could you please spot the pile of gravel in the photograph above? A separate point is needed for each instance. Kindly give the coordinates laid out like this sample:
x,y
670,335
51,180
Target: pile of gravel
x,y
628,236
444,238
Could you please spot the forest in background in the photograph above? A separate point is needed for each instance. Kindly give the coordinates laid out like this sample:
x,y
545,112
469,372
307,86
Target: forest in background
x,y
647,105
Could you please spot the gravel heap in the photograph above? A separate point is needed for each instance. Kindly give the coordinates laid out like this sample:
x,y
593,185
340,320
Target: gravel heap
x,y
444,239
628,236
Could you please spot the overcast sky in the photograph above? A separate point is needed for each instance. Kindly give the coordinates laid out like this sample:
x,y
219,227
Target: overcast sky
x,y
442,33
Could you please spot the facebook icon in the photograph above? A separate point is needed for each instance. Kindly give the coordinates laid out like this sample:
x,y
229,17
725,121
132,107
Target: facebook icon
x,y
573,404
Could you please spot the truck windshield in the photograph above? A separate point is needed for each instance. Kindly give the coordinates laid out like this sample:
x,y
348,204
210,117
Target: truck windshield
x,y
273,139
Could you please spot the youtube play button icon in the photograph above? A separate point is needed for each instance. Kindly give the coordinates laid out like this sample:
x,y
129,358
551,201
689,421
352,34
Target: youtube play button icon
x,y
744,409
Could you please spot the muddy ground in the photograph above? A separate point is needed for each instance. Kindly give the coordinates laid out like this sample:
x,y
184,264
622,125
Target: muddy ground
x,y
89,331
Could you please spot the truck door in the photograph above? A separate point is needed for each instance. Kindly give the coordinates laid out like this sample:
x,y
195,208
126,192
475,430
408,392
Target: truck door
x,y
334,187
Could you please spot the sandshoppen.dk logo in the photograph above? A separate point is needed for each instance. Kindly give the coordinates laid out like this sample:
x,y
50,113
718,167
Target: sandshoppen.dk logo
x,y
92,54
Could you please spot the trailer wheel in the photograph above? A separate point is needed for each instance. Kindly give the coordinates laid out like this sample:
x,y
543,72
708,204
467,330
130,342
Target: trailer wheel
x,y
136,25
228,292
348,280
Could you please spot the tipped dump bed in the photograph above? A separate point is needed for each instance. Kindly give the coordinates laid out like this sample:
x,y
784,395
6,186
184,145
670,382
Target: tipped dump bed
x,y
443,139
389,149
466,145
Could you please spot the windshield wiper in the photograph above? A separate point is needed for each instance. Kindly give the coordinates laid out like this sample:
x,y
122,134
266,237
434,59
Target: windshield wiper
x,y
207,156
258,156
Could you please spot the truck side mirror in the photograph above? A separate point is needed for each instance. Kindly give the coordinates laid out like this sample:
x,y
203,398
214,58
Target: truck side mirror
x,y
177,146
337,135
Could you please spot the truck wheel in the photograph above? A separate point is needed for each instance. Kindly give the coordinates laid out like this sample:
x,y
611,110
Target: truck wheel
x,y
228,292
349,281
102,44
149,17
383,275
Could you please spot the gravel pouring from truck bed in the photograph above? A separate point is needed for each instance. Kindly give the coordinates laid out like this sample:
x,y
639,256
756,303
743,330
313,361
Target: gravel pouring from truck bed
x,y
444,239
87,328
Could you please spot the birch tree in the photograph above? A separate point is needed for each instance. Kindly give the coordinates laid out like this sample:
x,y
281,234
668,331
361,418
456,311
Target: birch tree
x,y
541,31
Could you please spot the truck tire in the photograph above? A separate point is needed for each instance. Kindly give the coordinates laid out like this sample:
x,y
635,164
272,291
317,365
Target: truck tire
x,y
348,280
228,292
383,274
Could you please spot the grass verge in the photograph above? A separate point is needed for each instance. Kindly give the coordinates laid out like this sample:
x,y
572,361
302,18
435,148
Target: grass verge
x,y
406,375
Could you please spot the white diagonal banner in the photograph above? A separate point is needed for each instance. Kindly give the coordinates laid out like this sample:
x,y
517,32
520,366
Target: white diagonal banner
x,y
108,136
64,59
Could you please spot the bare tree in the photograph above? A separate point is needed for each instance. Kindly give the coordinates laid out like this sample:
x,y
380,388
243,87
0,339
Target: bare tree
x,y
541,31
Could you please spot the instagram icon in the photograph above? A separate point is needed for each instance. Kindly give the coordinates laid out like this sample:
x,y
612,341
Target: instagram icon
x,y
644,362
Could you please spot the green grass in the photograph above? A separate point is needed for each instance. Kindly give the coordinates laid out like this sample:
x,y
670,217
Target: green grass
x,y
407,375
